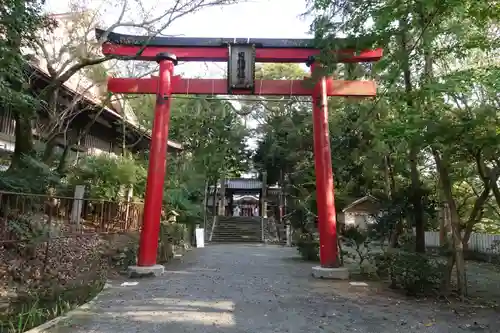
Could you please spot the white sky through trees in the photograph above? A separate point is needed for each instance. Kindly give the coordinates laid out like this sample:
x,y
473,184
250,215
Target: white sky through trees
x,y
255,18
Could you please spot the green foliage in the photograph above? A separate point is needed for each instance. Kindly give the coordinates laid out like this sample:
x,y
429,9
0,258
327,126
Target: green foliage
x,y
413,272
116,174
125,257
359,241
21,20
32,176
38,310
307,245
210,130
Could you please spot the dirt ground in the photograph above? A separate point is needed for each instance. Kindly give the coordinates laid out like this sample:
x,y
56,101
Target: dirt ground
x,y
484,282
59,274
250,288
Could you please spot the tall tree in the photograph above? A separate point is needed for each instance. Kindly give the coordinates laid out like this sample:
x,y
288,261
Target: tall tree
x,y
20,22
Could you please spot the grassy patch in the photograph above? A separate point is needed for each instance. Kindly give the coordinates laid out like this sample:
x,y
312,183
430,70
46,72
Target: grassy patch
x,y
33,310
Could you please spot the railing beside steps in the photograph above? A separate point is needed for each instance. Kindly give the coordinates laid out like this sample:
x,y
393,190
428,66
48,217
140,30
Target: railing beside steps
x,y
209,227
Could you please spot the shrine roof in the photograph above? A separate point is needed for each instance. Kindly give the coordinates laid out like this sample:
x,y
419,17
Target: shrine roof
x,y
244,184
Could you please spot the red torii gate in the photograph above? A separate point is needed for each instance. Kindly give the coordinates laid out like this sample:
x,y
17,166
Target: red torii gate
x,y
241,55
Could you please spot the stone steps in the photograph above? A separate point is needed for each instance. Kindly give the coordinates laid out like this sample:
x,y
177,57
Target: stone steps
x,y
236,229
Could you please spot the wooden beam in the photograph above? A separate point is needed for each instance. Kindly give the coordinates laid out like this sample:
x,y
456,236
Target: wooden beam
x,y
262,87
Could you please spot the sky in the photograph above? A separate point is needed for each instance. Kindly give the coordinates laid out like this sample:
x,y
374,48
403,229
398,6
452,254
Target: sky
x,y
253,18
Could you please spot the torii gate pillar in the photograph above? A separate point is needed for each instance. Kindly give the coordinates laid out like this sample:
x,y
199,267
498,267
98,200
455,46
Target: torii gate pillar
x,y
324,177
148,243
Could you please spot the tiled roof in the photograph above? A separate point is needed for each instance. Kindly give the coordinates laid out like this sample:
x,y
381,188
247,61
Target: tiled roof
x,y
244,184
247,184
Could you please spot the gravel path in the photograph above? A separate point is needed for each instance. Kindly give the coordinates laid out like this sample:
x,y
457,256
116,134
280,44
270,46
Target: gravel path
x,y
260,289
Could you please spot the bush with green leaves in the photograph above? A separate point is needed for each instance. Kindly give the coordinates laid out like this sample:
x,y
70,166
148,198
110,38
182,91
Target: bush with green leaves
x,y
359,241
106,177
308,245
125,257
32,176
416,273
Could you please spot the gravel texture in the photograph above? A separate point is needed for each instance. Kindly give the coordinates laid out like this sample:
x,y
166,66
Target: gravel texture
x,y
262,289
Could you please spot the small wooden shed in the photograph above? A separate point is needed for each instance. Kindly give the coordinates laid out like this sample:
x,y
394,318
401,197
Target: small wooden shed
x,y
360,212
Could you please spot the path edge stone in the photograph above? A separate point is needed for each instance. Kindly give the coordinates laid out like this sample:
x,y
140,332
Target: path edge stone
x,y
53,322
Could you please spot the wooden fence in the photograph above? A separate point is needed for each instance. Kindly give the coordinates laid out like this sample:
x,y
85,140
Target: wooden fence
x,y
26,216
482,243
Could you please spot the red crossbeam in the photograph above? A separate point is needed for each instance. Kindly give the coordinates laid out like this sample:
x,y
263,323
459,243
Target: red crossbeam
x,y
219,54
219,87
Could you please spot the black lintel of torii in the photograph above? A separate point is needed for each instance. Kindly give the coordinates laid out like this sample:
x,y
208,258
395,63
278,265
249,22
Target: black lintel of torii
x,y
263,43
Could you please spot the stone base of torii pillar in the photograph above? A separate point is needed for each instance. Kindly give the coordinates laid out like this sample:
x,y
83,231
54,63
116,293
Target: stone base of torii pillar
x,y
140,271
340,273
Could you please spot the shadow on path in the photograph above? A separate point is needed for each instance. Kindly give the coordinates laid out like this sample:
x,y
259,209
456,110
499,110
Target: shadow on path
x,y
254,289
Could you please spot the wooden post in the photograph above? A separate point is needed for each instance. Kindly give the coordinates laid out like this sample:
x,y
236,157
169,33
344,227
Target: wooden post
x,y
263,199
288,234
445,225
130,193
263,202
280,199
231,203
76,210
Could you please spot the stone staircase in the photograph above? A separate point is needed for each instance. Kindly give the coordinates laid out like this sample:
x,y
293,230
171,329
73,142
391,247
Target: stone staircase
x,y
237,229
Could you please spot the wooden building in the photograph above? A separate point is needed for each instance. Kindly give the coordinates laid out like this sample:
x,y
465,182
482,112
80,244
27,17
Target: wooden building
x,y
107,134
360,213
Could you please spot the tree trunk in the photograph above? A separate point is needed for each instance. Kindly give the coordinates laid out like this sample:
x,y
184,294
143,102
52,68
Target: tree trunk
x,y
390,182
48,151
215,204
416,198
52,94
475,216
391,189
222,202
496,191
488,176
456,243
23,128
62,167
24,138
418,213
205,199
387,182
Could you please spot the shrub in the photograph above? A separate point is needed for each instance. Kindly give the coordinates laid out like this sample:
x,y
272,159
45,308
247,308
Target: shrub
x,y
358,240
308,246
32,176
120,250
125,257
115,174
413,272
